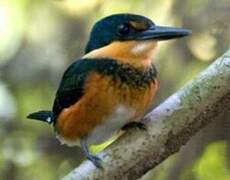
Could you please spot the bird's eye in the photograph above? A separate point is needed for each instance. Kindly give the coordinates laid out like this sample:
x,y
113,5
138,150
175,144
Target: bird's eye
x,y
123,29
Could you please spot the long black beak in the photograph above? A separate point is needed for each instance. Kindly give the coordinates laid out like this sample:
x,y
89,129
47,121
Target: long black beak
x,y
161,33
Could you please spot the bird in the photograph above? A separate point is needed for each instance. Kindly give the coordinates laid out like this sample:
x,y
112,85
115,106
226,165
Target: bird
x,y
111,87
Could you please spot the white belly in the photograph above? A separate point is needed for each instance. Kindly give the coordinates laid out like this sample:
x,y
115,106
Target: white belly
x,y
111,125
121,116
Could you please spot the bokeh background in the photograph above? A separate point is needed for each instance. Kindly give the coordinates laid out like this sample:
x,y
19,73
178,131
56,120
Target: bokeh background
x,y
40,38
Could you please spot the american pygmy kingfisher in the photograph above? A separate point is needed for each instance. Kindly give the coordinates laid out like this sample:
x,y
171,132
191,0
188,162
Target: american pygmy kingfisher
x,y
112,85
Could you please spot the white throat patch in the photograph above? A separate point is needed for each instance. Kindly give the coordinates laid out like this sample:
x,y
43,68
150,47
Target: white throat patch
x,y
141,48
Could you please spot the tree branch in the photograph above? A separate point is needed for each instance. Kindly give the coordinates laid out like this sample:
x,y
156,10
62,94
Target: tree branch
x,y
170,126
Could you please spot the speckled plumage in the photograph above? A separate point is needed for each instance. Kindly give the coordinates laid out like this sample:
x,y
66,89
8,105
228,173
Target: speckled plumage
x,y
72,84
113,84
106,85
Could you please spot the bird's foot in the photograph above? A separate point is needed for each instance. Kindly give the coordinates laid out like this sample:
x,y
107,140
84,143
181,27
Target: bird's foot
x,y
95,160
134,124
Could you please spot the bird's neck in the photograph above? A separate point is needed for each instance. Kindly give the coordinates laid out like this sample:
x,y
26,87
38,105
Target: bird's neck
x,y
136,53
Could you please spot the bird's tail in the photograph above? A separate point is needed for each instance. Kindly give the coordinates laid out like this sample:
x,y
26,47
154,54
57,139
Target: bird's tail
x,y
46,116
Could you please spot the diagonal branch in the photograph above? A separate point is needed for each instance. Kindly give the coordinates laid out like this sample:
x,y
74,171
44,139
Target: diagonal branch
x,y
170,126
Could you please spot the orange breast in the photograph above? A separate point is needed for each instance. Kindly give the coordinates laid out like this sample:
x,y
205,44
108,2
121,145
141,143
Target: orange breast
x,y
102,95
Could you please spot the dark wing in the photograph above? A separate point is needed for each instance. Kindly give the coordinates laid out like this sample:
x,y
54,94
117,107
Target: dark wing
x,y
71,88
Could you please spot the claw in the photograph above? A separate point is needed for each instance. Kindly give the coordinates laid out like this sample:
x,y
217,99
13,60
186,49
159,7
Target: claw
x,y
94,159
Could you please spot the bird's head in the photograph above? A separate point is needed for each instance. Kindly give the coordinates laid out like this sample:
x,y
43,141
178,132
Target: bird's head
x,y
130,35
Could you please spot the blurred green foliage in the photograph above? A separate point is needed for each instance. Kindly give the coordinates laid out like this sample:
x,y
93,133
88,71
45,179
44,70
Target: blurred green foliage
x,y
38,39
214,161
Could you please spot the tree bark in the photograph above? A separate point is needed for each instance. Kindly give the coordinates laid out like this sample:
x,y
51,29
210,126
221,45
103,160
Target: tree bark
x,y
169,126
